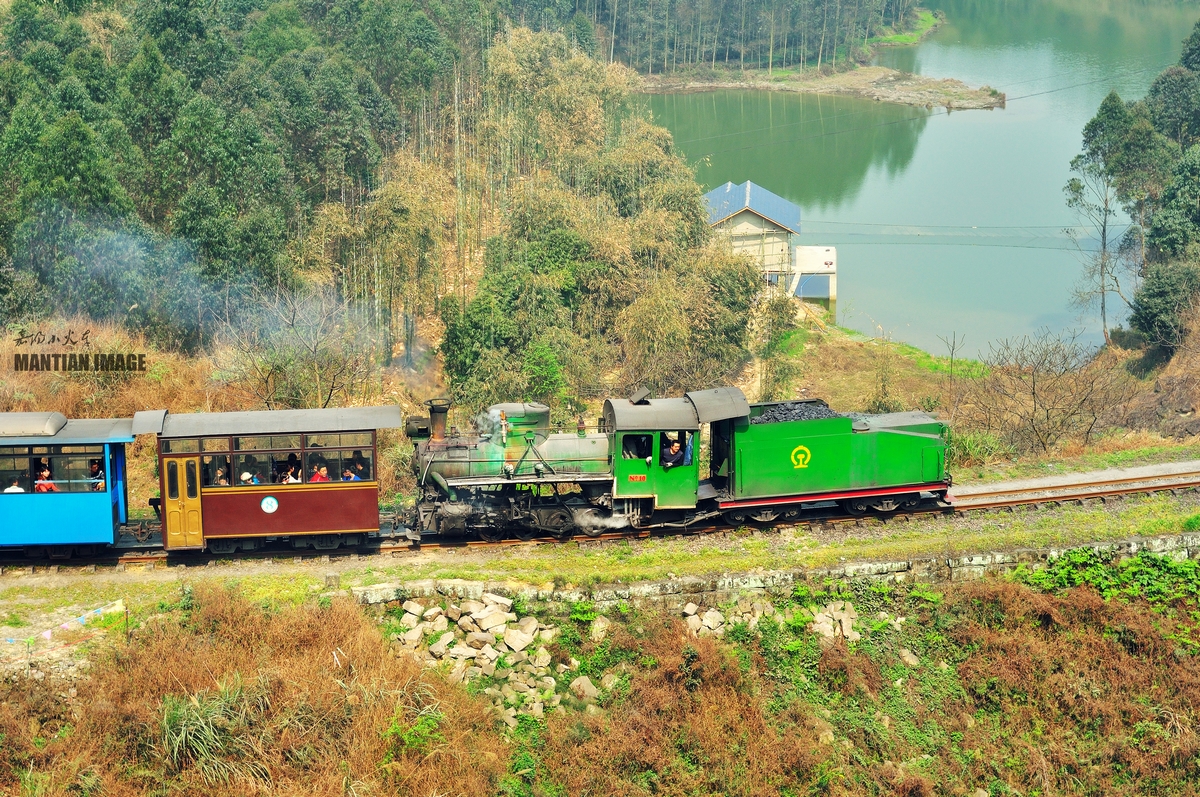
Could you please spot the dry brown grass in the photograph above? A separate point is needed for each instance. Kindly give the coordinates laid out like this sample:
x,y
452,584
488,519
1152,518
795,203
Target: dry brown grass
x,y
328,689
1092,694
694,723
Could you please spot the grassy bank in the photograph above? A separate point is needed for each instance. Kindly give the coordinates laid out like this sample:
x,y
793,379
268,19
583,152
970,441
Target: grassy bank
x,y
1055,687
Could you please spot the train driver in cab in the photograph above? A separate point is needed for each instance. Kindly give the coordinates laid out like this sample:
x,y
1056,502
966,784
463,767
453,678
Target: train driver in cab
x,y
672,456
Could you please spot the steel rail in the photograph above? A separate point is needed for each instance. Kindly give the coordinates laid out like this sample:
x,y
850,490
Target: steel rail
x,y
1075,485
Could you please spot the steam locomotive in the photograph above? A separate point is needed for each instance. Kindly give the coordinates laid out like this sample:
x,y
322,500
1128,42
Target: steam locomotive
x,y
307,478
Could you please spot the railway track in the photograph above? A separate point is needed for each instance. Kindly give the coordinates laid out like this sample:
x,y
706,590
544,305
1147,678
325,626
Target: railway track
x,y
1034,494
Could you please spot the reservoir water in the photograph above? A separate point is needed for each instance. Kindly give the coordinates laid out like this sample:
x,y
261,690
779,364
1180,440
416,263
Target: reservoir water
x,y
946,222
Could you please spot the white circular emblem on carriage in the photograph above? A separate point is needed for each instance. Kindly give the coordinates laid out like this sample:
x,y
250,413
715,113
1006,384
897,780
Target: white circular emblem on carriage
x,y
269,504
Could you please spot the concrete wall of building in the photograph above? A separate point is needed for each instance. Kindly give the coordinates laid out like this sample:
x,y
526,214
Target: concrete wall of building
x,y
751,234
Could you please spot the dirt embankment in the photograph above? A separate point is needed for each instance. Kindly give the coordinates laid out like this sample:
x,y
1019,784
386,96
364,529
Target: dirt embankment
x,y
877,83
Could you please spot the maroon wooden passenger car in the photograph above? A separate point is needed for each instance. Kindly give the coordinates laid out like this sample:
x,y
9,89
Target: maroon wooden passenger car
x,y
231,480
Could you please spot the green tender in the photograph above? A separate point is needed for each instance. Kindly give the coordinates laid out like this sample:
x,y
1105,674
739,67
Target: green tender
x,y
831,455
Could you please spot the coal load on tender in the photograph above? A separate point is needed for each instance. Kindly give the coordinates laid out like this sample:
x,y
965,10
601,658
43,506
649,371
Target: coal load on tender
x,y
795,411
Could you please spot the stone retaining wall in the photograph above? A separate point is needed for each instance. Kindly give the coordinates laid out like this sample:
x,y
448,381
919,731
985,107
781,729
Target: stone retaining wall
x,y
672,594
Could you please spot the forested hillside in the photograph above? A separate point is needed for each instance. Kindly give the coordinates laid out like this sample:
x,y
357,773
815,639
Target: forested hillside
x,y
295,188
1143,157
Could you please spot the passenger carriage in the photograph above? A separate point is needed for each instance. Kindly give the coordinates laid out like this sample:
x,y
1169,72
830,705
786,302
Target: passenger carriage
x,y
233,480
62,482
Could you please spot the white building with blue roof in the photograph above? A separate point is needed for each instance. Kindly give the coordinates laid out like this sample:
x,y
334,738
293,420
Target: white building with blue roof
x,y
766,227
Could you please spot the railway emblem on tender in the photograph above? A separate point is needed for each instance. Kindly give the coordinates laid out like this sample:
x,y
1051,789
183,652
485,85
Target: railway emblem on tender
x,y
800,456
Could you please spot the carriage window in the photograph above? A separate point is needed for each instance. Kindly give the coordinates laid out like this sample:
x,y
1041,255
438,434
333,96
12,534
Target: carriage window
x,y
172,480
214,472
353,440
635,446
14,474
267,443
180,446
349,465
79,473
215,444
190,470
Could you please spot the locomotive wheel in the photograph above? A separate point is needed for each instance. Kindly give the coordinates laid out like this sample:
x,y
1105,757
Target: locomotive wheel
x,y
558,522
524,533
855,506
735,518
593,531
490,533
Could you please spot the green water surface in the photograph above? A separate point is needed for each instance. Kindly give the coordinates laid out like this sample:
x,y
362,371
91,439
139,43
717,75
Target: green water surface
x,y
946,222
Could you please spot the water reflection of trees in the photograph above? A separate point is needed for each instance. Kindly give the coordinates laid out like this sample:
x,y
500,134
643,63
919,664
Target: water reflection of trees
x,y
814,150
1078,26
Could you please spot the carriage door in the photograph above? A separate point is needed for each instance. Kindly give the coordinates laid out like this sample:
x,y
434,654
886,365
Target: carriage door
x,y
181,504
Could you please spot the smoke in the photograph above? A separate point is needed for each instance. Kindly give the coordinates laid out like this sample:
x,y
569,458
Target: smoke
x,y
117,269
590,518
487,422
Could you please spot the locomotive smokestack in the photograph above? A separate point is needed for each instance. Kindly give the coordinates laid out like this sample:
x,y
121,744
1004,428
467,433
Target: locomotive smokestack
x,y
438,408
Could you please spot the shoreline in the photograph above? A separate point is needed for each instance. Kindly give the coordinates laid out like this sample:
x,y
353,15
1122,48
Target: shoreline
x,y
878,83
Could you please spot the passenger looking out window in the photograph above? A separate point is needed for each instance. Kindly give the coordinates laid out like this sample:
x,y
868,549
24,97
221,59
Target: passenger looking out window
x,y
43,483
348,474
15,486
96,476
320,473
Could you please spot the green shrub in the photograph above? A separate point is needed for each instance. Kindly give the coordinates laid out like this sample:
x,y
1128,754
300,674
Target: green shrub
x,y
1161,300
967,447
212,731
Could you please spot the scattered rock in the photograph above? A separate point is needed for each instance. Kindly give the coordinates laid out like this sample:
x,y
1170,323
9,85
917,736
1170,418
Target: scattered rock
x,y
467,624
490,653
470,607
440,647
537,710
440,624
413,635
712,619
541,658
608,681
410,620
432,613
517,639
490,621
980,793
528,625
599,629
583,688
498,600
909,658
453,612
690,609
412,607
462,652
694,623
480,639
825,737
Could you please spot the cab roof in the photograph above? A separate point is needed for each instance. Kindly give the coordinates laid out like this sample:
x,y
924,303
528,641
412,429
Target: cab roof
x,y
675,414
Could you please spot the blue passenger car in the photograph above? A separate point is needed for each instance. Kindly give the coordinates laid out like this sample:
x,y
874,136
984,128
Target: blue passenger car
x,y
62,483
